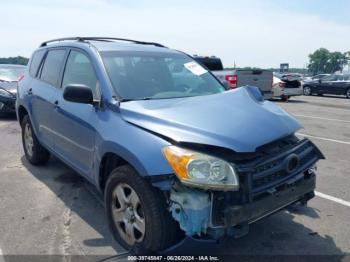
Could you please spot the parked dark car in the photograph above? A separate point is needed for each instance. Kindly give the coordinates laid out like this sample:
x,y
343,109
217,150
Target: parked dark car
x,y
170,150
315,77
9,75
333,85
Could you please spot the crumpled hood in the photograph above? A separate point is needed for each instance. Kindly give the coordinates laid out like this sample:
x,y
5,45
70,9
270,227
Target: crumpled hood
x,y
9,86
233,119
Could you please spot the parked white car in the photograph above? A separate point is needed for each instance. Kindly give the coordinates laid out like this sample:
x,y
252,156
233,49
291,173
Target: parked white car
x,y
285,86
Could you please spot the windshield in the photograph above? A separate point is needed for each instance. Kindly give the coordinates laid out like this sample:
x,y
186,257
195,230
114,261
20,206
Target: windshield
x,y
146,75
320,76
10,73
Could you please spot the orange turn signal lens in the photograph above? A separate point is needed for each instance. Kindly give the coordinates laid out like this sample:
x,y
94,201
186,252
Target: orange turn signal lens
x,y
178,159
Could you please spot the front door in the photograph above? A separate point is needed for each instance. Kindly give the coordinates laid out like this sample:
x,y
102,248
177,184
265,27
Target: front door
x,y
329,84
76,123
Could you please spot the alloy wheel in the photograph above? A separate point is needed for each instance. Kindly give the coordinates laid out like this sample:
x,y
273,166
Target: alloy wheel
x,y
28,139
128,214
307,90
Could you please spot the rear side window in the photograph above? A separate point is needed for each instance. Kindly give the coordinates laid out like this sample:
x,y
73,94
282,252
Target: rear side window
x,y
52,66
35,63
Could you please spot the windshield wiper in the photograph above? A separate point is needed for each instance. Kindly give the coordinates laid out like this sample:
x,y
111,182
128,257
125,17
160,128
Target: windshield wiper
x,y
134,99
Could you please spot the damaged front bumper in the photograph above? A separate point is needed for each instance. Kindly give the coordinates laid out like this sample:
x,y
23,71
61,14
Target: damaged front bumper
x,y
265,188
198,212
300,191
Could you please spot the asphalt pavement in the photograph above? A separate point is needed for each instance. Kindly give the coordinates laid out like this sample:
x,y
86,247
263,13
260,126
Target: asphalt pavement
x,y
51,210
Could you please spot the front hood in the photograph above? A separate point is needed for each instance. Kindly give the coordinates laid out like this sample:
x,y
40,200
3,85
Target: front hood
x,y
9,86
233,119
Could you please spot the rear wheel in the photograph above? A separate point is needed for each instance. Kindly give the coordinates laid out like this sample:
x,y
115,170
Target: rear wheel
x,y
35,153
137,213
307,91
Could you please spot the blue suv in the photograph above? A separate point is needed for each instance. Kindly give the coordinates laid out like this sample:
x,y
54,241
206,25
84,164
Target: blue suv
x,y
173,153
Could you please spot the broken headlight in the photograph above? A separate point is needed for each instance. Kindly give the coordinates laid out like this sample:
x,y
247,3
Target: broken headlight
x,y
201,170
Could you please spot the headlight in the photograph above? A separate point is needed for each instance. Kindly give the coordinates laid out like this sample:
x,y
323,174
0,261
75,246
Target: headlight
x,y
4,93
201,170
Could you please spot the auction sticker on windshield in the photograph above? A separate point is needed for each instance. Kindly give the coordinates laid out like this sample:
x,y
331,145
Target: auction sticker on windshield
x,y
195,68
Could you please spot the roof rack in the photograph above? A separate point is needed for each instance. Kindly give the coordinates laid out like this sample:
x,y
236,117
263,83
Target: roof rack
x,y
106,39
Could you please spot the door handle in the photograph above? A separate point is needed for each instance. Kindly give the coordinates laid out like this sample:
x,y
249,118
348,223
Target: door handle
x,y
30,91
56,104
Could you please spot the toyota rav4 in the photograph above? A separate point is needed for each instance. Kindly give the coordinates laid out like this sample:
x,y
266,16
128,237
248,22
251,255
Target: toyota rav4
x,y
173,153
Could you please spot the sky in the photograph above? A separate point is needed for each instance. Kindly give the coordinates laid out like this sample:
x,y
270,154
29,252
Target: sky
x,y
259,33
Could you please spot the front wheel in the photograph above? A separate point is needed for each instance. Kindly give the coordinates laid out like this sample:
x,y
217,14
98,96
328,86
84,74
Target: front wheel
x,y
348,93
35,153
307,91
137,213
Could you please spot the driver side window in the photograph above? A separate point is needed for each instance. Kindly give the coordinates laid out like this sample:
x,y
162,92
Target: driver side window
x,y
79,70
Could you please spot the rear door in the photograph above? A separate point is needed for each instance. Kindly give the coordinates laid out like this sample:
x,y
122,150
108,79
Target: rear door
x,y
41,93
75,123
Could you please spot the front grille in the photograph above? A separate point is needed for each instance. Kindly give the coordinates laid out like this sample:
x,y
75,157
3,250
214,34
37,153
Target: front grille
x,y
262,174
266,180
270,171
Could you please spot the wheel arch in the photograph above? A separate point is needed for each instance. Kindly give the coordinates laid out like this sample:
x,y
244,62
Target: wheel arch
x,y
21,112
309,86
112,158
109,161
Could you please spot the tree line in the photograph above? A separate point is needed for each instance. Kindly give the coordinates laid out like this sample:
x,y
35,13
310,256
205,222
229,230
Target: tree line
x,y
324,61
18,60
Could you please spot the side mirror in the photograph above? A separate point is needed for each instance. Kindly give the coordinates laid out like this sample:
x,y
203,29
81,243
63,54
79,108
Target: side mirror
x,y
78,93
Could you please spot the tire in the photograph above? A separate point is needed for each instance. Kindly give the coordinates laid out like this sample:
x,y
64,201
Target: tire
x,y
347,94
284,98
149,213
35,153
307,91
